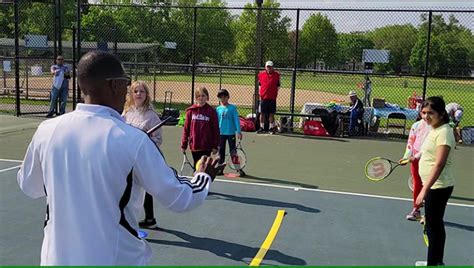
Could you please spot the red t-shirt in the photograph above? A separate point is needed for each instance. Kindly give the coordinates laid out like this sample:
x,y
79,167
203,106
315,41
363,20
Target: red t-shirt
x,y
269,83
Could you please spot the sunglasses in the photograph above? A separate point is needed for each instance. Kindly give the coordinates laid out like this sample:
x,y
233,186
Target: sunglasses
x,y
125,78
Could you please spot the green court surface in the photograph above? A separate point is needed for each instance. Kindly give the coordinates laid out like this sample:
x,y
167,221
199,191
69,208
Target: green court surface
x,y
312,162
335,216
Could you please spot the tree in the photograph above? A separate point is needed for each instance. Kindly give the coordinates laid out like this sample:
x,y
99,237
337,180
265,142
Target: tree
x,y
275,40
214,34
351,46
399,40
6,21
318,41
451,47
182,19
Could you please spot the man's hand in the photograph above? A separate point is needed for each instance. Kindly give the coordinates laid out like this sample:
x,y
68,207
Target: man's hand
x,y
210,166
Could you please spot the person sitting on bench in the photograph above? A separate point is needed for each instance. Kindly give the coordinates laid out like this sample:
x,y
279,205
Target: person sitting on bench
x,y
356,113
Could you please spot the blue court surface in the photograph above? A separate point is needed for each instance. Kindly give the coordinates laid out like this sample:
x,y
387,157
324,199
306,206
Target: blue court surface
x,y
320,227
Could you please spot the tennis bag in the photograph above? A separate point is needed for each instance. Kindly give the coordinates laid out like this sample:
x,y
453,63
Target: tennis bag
x,y
314,128
246,124
467,134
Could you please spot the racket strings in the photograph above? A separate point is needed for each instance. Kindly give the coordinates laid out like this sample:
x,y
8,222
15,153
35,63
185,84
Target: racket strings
x,y
379,168
238,160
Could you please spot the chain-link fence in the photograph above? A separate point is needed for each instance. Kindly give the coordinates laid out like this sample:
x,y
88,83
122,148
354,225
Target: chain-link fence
x,y
322,54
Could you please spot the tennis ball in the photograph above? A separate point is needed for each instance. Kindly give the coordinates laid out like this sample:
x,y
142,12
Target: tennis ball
x,y
198,163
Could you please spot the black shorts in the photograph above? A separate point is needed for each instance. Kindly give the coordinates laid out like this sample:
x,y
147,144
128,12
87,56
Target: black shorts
x,y
267,106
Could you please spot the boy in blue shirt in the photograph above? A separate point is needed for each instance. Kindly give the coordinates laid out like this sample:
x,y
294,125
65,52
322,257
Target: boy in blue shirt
x,y
229,125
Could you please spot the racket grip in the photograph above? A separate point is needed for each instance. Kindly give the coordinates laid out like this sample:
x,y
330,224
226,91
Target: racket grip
x,y
404,161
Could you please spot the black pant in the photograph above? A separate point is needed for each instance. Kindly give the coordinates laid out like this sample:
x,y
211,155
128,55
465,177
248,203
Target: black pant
x,y
148,206
198,154
224,138
435,205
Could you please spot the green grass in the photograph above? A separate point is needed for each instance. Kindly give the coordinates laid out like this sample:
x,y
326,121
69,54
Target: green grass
x,y
394,90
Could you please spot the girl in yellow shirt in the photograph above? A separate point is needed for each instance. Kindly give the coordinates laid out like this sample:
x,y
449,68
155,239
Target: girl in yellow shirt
x,y
435,168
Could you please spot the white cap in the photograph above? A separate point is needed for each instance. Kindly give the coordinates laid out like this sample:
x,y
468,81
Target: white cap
x,y
269,63
352,93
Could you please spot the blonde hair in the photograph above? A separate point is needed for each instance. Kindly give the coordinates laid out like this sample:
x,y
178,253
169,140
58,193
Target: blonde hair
x,y
130,102
200,91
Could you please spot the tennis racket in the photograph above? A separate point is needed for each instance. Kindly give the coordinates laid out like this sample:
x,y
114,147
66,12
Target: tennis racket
x,y
379,168
187,168
157,126
238,159
425,234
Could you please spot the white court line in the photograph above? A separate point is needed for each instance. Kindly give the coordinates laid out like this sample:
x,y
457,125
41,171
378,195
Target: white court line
x,y
11,160
299,188
333,192
10,168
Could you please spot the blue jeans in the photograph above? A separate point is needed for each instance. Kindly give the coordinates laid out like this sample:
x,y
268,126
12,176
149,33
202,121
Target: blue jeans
x,y
62,94
353,122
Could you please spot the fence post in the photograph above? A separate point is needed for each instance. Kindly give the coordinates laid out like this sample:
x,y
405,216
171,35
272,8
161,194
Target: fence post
x,y
115,39
154,82
193,55
295,63
74,100
258,60
427,60
78,39
60,28
55,29
17,57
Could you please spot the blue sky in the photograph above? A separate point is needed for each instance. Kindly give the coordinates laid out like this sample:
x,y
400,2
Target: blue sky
x,y
362,21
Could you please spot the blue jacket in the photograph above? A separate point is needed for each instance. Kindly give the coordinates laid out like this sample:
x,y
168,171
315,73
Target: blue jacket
x,y
228,117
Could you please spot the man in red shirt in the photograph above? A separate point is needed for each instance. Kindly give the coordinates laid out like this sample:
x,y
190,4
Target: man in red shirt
x,y
269,81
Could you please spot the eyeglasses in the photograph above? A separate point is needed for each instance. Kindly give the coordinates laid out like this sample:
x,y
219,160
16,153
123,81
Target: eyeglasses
x,y
126,78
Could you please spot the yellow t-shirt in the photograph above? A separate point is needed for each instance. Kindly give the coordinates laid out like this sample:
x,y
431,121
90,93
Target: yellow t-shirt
x,y
442,135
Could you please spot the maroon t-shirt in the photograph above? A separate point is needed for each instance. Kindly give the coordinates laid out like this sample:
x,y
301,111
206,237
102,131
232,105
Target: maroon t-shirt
x,y
201,129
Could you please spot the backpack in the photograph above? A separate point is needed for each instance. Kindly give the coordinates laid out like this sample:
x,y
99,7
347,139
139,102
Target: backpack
x,y
314,128
246,124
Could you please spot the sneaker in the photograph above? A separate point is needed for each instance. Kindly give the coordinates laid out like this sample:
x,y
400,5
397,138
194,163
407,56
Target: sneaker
x,y
421,263
261,131
414,215
242,173
148,223
49,115
220,173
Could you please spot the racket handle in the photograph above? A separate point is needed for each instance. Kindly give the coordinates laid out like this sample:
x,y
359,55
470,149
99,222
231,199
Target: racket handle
x,y
153,129
404,161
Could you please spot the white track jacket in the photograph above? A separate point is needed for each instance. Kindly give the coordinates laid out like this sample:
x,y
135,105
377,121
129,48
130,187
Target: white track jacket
x,y
94,169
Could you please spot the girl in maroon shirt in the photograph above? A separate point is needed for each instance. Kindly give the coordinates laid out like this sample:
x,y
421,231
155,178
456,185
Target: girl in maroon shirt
x,y
201,128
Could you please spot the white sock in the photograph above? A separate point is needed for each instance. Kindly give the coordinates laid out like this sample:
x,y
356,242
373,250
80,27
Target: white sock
x,y
262,125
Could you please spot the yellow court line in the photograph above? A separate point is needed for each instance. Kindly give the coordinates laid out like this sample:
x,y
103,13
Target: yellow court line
x,y
269,239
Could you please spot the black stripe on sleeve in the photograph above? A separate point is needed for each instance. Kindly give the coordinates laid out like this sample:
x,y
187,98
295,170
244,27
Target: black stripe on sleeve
x,y
123,203
46,219
198,184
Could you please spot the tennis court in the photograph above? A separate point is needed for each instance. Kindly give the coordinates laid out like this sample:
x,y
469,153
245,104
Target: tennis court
x,y
334,215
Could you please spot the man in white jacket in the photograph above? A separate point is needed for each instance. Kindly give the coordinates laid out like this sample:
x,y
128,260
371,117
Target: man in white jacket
x,y
94,170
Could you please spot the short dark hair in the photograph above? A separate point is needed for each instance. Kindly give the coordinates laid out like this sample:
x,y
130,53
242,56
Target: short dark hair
x,y
437,103
223,92
95,66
